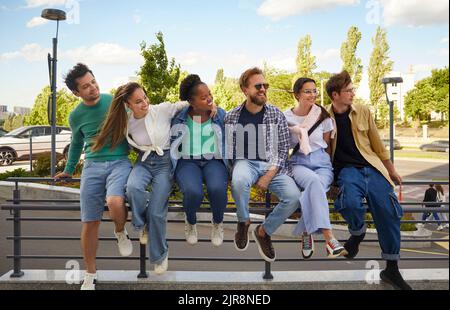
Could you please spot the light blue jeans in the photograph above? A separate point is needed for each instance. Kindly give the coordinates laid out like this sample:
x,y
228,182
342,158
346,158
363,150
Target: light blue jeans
x,y
151,207
245,174
313,174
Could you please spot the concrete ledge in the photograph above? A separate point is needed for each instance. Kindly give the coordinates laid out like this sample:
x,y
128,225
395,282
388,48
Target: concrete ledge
x,y
419,279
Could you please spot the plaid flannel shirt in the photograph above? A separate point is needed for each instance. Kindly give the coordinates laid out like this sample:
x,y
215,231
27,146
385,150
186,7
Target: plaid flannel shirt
x,y
277,136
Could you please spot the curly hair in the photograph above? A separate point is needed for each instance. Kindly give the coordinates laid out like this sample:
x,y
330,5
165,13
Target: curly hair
x,y
188,87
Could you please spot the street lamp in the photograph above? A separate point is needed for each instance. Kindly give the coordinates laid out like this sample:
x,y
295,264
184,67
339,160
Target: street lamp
x,y
53,14
393,81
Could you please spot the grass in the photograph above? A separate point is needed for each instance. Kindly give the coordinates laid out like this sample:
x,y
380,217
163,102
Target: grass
x,y
416,153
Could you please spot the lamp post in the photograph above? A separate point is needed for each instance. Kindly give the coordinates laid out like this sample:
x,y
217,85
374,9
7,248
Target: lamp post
x,y
53,14
393,81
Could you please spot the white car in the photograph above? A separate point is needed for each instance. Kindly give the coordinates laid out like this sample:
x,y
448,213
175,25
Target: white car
x,y
15,145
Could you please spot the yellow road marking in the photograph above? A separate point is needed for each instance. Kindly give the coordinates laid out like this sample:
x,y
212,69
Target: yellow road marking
x,y
443,244
424,252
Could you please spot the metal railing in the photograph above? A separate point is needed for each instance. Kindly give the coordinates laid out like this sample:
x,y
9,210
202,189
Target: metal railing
x,y
17,205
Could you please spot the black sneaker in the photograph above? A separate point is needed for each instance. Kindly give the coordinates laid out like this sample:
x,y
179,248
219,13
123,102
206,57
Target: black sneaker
x,y
352,246
395,279
265,246
241,237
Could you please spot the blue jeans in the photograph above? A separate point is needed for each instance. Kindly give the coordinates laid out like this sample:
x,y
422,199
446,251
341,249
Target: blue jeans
x,y
313,173
151,207
245,174
355,184
190,176
435,216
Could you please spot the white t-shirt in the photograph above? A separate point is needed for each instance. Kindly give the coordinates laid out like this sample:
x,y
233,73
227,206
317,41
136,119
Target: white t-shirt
x,y
316,140
137,130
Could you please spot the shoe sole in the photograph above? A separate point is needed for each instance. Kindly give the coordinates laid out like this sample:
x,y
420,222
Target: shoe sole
x,y
267,259
342,253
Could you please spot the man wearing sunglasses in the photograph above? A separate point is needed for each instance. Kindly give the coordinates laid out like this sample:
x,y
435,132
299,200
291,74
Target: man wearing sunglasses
x,y
363,170
258,142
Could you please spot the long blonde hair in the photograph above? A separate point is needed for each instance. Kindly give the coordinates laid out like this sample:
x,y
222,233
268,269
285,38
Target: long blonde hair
x,y
114,127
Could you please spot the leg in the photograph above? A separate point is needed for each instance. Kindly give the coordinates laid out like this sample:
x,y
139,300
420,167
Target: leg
x,y
89,244
386,213
140,177
216,178
116,182
189,178
244,176
286,190
313,200
161,188
92,203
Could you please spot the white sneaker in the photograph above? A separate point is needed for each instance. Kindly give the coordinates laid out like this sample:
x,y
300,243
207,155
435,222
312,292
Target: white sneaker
x,y
217,234
190,232
143,235
440,227
124,243
447,225
307,246
90,279
162,267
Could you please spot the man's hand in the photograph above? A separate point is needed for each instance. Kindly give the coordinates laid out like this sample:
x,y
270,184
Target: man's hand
x,y
396,178
63,175
263,182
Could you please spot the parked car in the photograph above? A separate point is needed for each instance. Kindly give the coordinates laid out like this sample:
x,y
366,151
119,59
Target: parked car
x,y
397,145
435,146
15,145
2,132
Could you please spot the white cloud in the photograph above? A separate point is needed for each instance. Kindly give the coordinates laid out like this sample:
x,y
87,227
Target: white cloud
x,y
103,53
415,12
31,52
37,21
444,40
419,68
38,3
100,53
443,52
279,9
137,19
331,54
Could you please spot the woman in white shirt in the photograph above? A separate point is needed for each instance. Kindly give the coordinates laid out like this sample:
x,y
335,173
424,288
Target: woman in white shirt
x,y
147,129
311,129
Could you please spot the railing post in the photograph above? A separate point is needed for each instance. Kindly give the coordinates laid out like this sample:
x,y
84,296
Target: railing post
x,y
143,272
31,151
268,266
17,244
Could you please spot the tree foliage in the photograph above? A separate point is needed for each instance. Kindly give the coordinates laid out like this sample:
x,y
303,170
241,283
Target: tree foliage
x,y
65,103
305,61
351,63
379,67
158,75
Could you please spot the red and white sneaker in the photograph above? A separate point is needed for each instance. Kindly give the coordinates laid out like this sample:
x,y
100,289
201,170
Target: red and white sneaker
x,y
335,249
307,246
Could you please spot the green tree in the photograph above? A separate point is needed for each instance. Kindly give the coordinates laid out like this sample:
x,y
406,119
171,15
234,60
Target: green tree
x,y
158,75
227,94
379,66
440,81
305,61
419,102
351,63
65,103
174,92
220,77
280,82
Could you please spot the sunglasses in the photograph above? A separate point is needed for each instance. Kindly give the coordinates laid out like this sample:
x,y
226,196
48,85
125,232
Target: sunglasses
x,y
259,86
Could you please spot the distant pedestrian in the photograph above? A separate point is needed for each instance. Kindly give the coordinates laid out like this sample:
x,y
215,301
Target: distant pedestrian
x,y
441,198
431,195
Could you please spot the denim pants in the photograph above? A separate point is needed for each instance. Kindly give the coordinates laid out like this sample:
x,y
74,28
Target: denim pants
x,y
355,184
435,216
313,174
245,174
151,207
190,175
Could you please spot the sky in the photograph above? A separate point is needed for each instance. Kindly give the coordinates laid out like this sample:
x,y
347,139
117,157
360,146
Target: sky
x,y
206,35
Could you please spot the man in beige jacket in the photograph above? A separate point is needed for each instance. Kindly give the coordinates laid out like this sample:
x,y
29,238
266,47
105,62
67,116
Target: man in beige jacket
x,y
363,171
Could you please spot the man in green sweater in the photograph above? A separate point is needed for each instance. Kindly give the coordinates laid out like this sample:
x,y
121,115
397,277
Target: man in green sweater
x,y
105,171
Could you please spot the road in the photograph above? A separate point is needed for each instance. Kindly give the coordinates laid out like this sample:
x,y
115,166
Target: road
x,y
408,169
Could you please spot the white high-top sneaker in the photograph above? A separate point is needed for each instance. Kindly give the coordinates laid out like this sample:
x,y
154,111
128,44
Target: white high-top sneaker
x,y
143,235
190,232
124,243
217,234
90,279
163,266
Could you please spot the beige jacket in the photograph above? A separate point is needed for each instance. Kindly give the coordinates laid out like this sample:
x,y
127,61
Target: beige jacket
x,y
367,139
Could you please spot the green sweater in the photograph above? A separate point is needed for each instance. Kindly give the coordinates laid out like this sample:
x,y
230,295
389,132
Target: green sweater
x,y
85,122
